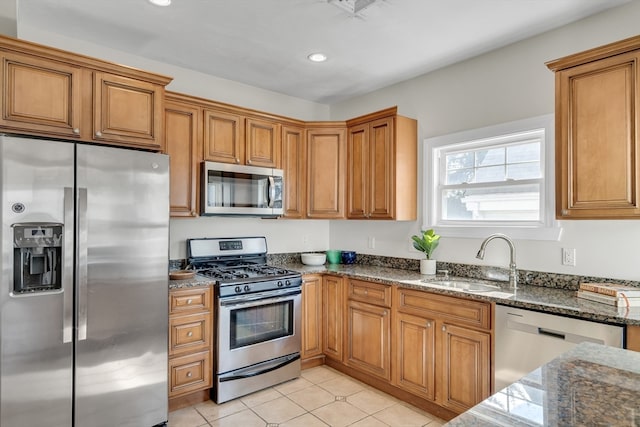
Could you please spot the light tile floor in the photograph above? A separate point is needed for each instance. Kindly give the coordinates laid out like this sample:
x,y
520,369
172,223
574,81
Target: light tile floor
x,y
320,397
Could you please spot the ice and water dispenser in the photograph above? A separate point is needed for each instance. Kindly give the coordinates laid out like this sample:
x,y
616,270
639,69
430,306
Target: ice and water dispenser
x,y
37,257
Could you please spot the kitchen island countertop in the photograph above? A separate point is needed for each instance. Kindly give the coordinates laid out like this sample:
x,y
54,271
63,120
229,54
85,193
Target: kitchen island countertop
x,y
590,385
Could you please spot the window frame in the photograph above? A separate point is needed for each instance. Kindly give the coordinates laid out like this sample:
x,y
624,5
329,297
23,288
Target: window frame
x,y
547,228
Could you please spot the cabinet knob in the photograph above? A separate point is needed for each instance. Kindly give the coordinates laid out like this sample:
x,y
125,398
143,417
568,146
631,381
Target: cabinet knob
x,y
428,324
189,374
384,313
249,161
189,301
99,134
565,212
444,328
76,131
190,333
237,160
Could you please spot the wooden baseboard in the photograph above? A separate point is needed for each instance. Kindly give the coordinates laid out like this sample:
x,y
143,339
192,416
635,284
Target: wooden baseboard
x,y
188,400
382,385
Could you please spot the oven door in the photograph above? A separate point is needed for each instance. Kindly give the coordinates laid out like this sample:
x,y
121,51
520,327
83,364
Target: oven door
x,y
258,327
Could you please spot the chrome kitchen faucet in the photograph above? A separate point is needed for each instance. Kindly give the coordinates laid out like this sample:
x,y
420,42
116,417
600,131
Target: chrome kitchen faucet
x,y
513,275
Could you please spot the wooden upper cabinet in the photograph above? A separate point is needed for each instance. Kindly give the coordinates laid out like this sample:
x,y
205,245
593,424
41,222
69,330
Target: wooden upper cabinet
x,y
53,93
294,164
182,134
40,96
597,115
382,150
223,137
231,137
262,143
326,174
127,110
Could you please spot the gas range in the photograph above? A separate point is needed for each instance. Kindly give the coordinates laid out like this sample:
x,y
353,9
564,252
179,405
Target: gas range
x,y
239,265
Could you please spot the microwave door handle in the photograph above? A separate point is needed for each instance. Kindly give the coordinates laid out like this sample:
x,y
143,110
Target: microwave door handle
x,y
272,191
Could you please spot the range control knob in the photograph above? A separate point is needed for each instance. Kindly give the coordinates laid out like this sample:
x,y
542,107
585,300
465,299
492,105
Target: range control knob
x,y
238,289
247,288
287,282
280,284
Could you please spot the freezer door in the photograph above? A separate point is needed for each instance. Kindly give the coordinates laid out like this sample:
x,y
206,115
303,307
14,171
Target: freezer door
x,y
122,287
36,327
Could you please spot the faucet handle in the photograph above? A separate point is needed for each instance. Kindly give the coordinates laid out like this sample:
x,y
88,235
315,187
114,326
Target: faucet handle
x,y
445,272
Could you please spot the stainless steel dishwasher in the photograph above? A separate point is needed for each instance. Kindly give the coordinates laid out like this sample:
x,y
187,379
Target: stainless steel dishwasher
x,y
525,340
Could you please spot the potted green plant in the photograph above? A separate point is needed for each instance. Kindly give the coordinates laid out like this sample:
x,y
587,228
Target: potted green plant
x,y
426,243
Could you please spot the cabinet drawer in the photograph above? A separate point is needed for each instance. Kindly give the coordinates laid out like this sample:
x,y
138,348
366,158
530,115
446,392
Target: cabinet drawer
x,y
369,292
451,309
190,373
189,300
189,333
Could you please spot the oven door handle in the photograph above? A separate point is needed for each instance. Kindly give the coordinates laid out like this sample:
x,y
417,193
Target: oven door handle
x,y
262,369
257,299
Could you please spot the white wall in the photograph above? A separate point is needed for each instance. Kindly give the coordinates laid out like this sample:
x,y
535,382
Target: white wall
x,y
501,86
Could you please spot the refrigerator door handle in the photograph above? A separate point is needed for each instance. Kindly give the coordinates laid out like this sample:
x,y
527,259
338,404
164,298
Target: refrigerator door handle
x,y
67,271
81,250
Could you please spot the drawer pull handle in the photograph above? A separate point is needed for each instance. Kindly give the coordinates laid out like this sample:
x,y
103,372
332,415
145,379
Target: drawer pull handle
x,y
189,301
189,374
190,333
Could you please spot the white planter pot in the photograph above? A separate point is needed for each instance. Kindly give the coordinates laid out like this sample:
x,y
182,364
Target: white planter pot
x,y
427,266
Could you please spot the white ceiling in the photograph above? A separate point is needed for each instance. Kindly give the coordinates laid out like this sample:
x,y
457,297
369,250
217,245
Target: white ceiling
x,y
264,43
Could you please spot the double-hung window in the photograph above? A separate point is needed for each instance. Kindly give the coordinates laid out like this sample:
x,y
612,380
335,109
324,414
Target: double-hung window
x,y
498,178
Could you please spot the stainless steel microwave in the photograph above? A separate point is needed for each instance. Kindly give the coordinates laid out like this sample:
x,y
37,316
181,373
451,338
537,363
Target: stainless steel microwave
x,y
229,189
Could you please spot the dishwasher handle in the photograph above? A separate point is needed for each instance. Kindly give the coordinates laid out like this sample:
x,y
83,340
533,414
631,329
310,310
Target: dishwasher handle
x,y
561,335
551,333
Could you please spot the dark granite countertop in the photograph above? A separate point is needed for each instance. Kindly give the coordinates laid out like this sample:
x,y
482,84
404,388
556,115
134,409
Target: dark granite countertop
x,y
590,385
549,300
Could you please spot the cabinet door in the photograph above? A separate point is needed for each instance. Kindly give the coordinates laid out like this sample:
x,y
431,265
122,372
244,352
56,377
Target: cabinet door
x,y
326,163
294,160
127,111
311,316
262,143
182,145
223,137
415,355
466,367
380,180
358,172
368,339
333,301
597,108
40,96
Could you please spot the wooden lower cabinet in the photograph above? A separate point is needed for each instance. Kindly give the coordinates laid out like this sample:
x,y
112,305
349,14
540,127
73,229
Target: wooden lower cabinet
x,y
633,338
415,355
190,345
333,302
311,351
369,338
466,367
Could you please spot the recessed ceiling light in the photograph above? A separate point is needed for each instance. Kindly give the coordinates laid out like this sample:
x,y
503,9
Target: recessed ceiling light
x,y
160,2
317,57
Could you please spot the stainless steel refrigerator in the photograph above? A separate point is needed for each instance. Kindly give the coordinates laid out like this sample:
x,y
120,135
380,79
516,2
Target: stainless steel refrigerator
x,y
84,291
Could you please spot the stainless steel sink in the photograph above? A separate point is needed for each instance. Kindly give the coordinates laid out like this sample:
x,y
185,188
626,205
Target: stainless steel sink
x,y
463,285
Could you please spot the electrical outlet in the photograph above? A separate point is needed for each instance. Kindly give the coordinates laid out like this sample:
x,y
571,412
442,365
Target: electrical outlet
x,y
371,242
569,256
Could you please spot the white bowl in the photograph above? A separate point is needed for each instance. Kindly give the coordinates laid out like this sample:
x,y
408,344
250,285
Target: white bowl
x,y
313,259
